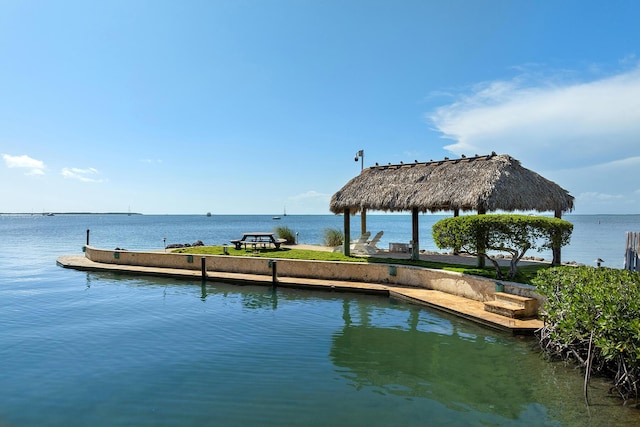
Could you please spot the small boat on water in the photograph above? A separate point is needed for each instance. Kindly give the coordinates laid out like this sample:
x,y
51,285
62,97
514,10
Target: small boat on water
x,y
277,217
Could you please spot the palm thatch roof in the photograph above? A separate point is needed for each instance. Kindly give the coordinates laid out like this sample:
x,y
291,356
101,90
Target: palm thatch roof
x,y
479,183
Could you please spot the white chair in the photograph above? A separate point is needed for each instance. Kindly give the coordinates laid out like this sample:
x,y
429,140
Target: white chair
x,y
369,248
375,240
361,242
358,245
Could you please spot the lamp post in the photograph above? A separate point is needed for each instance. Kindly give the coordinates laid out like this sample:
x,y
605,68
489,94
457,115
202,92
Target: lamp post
x,y
360,156
363,212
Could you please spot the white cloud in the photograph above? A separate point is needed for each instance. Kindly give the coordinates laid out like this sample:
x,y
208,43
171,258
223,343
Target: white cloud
x,y
311,194
547,124
585,136
604,188
599,197
33,166
309,202
84,175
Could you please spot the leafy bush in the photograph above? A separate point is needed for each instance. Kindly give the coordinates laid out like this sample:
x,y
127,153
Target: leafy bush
x,y
592,316
514,234
287,234
333,237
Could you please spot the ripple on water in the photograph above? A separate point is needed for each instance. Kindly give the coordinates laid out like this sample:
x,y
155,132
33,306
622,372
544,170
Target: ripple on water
x,y
100,349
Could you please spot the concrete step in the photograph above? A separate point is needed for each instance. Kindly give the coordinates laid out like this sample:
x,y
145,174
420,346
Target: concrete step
x,y
504,309
513,306
529,304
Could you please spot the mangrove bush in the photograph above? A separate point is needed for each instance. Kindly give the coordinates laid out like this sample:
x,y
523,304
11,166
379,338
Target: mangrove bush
x,y
592,316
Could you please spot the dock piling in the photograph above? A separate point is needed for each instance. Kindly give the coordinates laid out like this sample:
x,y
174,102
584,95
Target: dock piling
x,y
274,272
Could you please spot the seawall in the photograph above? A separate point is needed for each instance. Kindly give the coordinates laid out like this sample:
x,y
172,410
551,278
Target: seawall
x,y
467,286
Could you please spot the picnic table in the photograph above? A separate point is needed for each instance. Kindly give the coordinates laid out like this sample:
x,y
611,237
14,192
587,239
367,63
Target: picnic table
x,y
258,239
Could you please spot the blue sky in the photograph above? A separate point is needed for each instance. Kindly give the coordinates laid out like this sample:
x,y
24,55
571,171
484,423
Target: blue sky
x,y
188,107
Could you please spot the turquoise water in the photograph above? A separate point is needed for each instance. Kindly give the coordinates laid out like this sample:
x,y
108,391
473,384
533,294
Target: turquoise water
x,y
99,349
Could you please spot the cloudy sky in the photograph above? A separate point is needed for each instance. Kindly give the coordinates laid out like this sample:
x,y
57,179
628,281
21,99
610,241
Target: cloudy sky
x,y
251,106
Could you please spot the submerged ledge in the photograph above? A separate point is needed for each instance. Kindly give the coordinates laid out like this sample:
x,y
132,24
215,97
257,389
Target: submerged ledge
x,y
455,293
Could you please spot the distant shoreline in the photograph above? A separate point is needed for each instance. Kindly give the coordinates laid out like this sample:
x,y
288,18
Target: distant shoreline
x,y
270,215
69,213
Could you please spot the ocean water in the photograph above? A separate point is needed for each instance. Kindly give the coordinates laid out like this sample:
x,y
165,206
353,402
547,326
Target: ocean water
x,y
99,349
594,236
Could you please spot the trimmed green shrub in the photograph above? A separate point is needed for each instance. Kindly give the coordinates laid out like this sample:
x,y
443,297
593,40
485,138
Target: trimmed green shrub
x,y
333,237
514,234
592,316
287,234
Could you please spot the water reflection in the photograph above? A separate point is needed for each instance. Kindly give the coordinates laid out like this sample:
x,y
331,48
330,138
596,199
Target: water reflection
x,y
257,301
379,349
427,356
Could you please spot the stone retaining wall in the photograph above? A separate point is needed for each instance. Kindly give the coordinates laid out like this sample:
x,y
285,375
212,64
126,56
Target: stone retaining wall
x,y
472,287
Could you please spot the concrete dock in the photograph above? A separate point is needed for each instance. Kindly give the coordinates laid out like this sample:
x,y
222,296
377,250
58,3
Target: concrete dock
x,y
463,307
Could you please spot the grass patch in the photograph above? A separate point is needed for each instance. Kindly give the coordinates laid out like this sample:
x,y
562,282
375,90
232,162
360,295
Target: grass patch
x,y
286,253
525,273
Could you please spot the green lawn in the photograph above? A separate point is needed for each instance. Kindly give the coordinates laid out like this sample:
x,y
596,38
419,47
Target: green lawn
x,y
525,273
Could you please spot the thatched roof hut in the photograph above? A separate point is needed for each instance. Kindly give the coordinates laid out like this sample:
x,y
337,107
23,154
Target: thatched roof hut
x,y
479,183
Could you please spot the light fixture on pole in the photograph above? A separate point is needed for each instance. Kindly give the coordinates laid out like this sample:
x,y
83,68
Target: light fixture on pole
x,y
363,212
360,156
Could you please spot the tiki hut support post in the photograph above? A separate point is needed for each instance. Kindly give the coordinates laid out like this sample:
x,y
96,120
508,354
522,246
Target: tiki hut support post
x,y
456,212
415,246
363,221
480,261
557,255
347,233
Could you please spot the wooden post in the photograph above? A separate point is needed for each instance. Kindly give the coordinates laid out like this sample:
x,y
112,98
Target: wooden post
x,y
415,245
274,272
363,221
480,261
88,237
456,213
557,252
631,261
203,268
347,233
